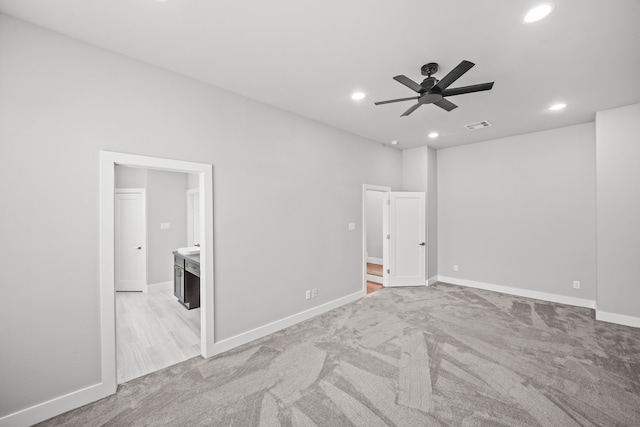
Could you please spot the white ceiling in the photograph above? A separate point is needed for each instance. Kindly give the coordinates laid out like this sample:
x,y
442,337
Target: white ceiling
x,y
308,56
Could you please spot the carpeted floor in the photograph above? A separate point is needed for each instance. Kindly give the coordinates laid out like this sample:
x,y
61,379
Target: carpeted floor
x,y
442,355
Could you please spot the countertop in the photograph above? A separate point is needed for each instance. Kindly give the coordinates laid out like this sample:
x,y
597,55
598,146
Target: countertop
x,y
193,258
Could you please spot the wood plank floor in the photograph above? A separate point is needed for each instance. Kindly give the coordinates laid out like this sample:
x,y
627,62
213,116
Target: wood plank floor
x,y
375,269
373,286
153,331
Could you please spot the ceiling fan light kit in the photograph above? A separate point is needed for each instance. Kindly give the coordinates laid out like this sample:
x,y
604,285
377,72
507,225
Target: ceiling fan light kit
x,y
434,91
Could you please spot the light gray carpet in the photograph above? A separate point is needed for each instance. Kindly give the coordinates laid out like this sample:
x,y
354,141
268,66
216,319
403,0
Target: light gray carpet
x,y
443,355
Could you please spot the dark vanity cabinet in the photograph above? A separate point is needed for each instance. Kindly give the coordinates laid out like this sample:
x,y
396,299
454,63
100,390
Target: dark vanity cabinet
x,y
186,279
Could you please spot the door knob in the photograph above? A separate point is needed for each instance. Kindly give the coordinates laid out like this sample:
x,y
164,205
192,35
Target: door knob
x,y
138,247
422,244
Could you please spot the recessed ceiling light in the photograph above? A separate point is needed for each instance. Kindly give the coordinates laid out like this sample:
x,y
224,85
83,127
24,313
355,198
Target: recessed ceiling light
x,y
537,13
357,96
434,135
556,107
394,142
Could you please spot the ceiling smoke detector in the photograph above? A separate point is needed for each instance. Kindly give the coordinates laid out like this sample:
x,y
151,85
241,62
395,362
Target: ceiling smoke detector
x,y
479,125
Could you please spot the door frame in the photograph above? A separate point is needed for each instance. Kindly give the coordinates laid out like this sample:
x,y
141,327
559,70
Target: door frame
x,y
108,162
385,228
143,193
192,193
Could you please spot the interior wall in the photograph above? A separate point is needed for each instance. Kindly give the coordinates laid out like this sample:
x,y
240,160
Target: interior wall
x,y
127,177
419,173
285,189
193,181
618,210
520,211
374,204
166,203
432,213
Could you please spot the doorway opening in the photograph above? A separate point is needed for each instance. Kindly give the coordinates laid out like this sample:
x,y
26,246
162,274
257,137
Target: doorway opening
x,y
402,232
204,173
375,258
153,329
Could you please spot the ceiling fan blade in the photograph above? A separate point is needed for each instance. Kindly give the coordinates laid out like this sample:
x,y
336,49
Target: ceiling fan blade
x,y
410,110
445,104
396,100
453,75
467,89
409,83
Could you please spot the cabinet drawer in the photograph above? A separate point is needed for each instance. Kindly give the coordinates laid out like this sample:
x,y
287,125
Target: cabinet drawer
x,y
178,261
192,267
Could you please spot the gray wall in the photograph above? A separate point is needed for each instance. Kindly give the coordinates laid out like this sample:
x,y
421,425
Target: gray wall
x,y
166,203
432,212
520,211
127,177
419,173
618,177
374,204
193,181
285,189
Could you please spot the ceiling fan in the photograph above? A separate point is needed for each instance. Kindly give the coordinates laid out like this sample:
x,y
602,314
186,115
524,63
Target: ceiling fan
x,y
434,91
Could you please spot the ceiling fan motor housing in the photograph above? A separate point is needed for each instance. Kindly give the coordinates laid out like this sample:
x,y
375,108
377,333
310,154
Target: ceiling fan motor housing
x,y
429,82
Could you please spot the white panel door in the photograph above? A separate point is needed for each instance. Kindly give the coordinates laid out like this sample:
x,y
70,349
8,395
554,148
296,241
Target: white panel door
x,y
407,244
130,240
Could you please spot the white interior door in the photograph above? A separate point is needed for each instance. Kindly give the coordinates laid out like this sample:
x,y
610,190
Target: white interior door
x,y
130,240
407,243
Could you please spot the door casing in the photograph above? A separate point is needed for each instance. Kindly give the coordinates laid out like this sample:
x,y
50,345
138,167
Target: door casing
x,y
193,217
108,161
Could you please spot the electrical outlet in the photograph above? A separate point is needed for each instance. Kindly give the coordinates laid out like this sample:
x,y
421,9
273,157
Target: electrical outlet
x,y
307,294
455,268
576,284
314,292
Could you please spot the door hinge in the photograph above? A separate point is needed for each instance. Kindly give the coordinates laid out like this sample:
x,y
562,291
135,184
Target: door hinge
x,y
388,236
388,201
388,271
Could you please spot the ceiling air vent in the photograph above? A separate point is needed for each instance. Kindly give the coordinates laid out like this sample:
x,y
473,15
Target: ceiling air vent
x,y
479,125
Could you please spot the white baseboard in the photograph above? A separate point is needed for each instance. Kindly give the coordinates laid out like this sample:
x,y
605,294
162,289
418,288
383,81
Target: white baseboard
x,y
78,398
373,260
59,405
432,280
579,302
262,331
374,278
162,286
620,319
